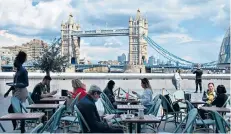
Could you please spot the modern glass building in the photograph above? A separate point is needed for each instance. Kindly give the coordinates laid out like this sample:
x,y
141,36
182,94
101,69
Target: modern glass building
x,y
224,55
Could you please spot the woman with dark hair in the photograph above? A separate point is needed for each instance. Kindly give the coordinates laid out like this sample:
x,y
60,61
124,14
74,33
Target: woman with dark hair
x,y
146,97
21,77
109,92
221,96
21,81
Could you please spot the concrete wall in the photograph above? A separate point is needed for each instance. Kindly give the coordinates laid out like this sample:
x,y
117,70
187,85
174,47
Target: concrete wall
x,y
126,81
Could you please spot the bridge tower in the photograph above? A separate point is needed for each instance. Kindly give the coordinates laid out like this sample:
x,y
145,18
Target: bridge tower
x,y
138,51
70,44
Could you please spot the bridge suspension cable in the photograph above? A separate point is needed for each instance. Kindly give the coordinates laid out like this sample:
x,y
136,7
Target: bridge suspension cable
x,y
171,56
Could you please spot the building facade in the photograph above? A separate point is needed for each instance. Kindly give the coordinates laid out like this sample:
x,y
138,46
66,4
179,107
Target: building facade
x,y
151,60
33,49
138,49
70,44
122,59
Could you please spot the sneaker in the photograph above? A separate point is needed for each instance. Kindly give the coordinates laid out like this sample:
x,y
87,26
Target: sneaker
x,y
195,92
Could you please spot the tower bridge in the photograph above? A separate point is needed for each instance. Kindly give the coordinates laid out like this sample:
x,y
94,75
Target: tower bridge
x,y
71,35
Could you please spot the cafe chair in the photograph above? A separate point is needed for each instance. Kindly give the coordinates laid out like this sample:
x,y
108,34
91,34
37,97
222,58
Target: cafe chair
x,y
222,126
82,121
72,119
190,121
199,120
37,128
53,123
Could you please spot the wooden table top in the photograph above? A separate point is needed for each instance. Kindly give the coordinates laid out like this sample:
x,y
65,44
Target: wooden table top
x,y
127,101
53,99
197,102
22,116
136,119
43,106
130,107
218,109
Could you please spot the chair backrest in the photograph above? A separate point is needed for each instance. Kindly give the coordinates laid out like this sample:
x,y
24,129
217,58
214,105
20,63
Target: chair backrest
x,y
221,124
37,128
53,122
3,129
226,102
154,100
29,98
189,105
190,120
106,107
106,99
157,107
167,107
17,105
81,119
71,107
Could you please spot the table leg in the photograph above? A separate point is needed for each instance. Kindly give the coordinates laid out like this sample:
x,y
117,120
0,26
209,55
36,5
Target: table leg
x,y
138,127
22,126
130,127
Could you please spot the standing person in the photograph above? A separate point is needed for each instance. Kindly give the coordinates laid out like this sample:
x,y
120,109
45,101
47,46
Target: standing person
x,y
198,81
40,90
177,80
109,92
21,81
146,97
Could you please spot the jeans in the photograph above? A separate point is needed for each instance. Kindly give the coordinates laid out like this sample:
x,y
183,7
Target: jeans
x,y
198,82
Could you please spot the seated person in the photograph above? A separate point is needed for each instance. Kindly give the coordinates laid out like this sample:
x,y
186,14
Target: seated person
x,y
89,111
219,100
146,97
210,95
109,92
221,96
40,90
78,87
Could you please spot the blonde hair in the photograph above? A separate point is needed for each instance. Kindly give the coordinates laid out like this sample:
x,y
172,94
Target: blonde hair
x,y
76,83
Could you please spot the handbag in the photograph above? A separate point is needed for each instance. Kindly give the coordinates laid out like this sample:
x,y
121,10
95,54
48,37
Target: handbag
x,y
204,97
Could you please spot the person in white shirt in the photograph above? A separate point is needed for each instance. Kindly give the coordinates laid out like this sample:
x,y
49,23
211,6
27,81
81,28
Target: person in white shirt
x,y
176,80
146,97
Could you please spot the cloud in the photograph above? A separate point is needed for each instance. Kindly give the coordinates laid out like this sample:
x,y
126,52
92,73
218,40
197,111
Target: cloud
x,y
8,39
42,18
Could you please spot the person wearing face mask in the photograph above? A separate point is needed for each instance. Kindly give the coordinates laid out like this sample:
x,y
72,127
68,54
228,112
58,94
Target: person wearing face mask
x,y
40,90
89,111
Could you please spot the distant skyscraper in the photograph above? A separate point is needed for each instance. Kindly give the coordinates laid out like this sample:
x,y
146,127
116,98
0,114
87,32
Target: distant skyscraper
x,y
151,60
122,59
158,62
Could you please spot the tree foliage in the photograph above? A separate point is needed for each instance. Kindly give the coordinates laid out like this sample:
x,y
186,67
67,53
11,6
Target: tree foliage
x,y
51,59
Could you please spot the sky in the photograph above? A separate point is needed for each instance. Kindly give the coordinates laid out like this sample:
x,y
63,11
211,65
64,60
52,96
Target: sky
x,y
190,29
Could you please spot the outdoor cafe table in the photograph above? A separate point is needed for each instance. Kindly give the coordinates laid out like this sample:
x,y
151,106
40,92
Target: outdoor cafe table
x,y
218,109
138,121
43,106
22,116
130,107
196,103
55,99
124,101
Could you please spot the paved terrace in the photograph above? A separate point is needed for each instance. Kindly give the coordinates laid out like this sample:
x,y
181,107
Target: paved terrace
x,y
126,81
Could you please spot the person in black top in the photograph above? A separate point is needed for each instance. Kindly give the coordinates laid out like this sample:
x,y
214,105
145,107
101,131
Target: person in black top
x,y
221,96
198,81
89,111
109,92
40,90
